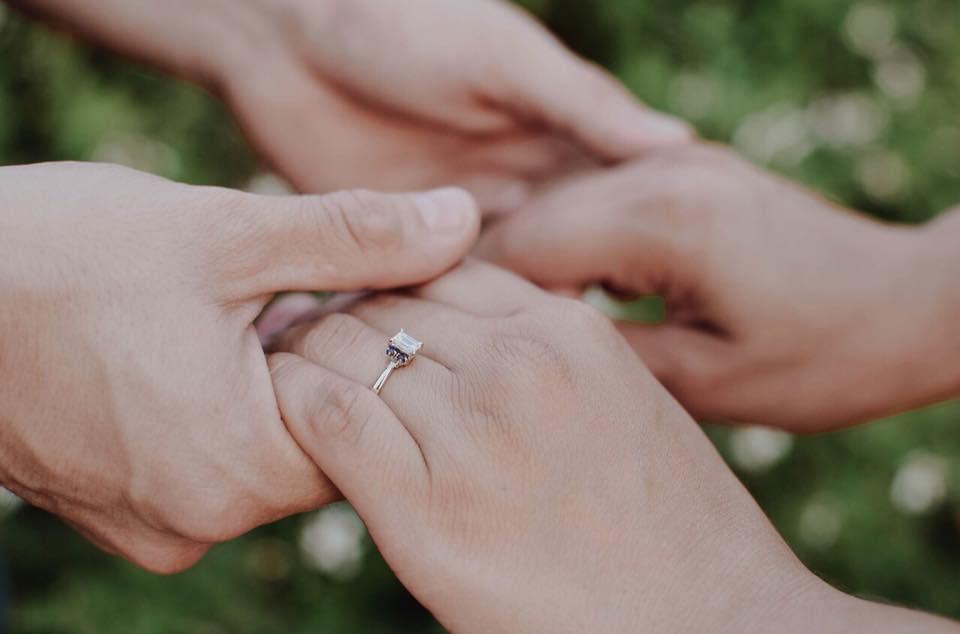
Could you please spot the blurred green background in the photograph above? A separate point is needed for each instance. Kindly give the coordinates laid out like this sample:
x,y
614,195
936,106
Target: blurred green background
x,y
858,99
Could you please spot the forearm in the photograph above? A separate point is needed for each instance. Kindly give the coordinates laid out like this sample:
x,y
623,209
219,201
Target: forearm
x,y
196,39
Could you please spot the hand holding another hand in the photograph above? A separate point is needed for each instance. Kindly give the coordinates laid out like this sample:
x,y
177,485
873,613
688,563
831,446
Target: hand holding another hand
x,y
782,308
136,399
391,96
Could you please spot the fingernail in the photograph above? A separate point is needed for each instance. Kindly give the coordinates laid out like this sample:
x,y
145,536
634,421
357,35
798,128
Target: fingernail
x,y
447,210
663,129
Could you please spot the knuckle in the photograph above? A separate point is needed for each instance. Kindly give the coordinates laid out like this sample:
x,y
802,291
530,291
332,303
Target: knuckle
x,y
196,510
230,231
329,336
216,517
534,359
282,366
362,221
345,412
170,560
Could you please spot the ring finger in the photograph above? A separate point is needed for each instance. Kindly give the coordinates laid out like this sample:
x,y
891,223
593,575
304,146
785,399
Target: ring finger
x,y
449,330
355,350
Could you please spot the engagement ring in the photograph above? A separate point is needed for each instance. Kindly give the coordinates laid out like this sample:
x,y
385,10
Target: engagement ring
x,y
401,352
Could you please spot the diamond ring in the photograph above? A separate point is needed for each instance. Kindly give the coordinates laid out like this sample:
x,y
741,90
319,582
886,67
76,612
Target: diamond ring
x,y
401,352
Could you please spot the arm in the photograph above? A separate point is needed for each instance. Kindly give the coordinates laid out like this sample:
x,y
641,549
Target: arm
x,y
387,95
197,40
781,307
527,474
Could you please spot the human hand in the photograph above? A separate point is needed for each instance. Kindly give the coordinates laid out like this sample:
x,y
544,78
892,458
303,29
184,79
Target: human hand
x,y
136,401
389,95
781,308
527,474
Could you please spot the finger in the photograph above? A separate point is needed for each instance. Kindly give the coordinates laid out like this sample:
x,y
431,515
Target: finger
x,y
505,183
432,321
356,351
689,362
285,312
497,194
481,289
344,241
526,154
587,103
350,433
618,226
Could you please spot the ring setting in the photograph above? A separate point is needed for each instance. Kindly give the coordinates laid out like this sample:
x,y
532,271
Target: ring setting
x,y
401,351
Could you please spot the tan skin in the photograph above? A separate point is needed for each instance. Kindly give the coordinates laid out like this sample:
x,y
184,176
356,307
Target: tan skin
x,y
387,95
526,473
478,526
782,308
136,401
139,407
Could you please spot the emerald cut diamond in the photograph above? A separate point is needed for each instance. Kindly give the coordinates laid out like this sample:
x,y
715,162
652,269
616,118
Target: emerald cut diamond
x,y
403,348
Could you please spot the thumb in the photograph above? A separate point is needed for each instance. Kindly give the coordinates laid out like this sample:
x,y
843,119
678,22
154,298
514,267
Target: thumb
x,y
347,241
590,105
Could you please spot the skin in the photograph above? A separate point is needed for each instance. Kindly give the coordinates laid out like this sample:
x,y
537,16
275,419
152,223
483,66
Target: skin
x,y
387,95
526,473
136,401
782,308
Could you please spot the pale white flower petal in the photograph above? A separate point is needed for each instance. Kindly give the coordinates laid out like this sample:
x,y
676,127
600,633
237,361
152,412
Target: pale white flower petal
x,y
758,449
920,484
333,541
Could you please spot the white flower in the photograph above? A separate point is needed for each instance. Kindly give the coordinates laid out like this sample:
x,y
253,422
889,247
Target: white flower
x,y
870,28
846,119
758,449
920,484
776,135
820,524
8,502
332,541
901,75
884,175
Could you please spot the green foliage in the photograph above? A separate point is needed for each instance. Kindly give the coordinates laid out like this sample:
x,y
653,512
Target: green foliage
x,y
856,99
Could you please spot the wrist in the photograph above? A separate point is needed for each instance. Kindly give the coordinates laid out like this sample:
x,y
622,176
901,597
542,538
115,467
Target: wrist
x,y
939,262
901,348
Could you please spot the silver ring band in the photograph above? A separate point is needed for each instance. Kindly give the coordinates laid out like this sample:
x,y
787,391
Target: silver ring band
x,y
401,351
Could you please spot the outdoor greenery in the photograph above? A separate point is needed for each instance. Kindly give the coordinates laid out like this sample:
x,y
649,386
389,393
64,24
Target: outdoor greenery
x,y
857,99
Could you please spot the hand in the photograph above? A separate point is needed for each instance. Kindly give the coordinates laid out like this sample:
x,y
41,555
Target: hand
x,y
136,402
527,474
389,95
781,308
